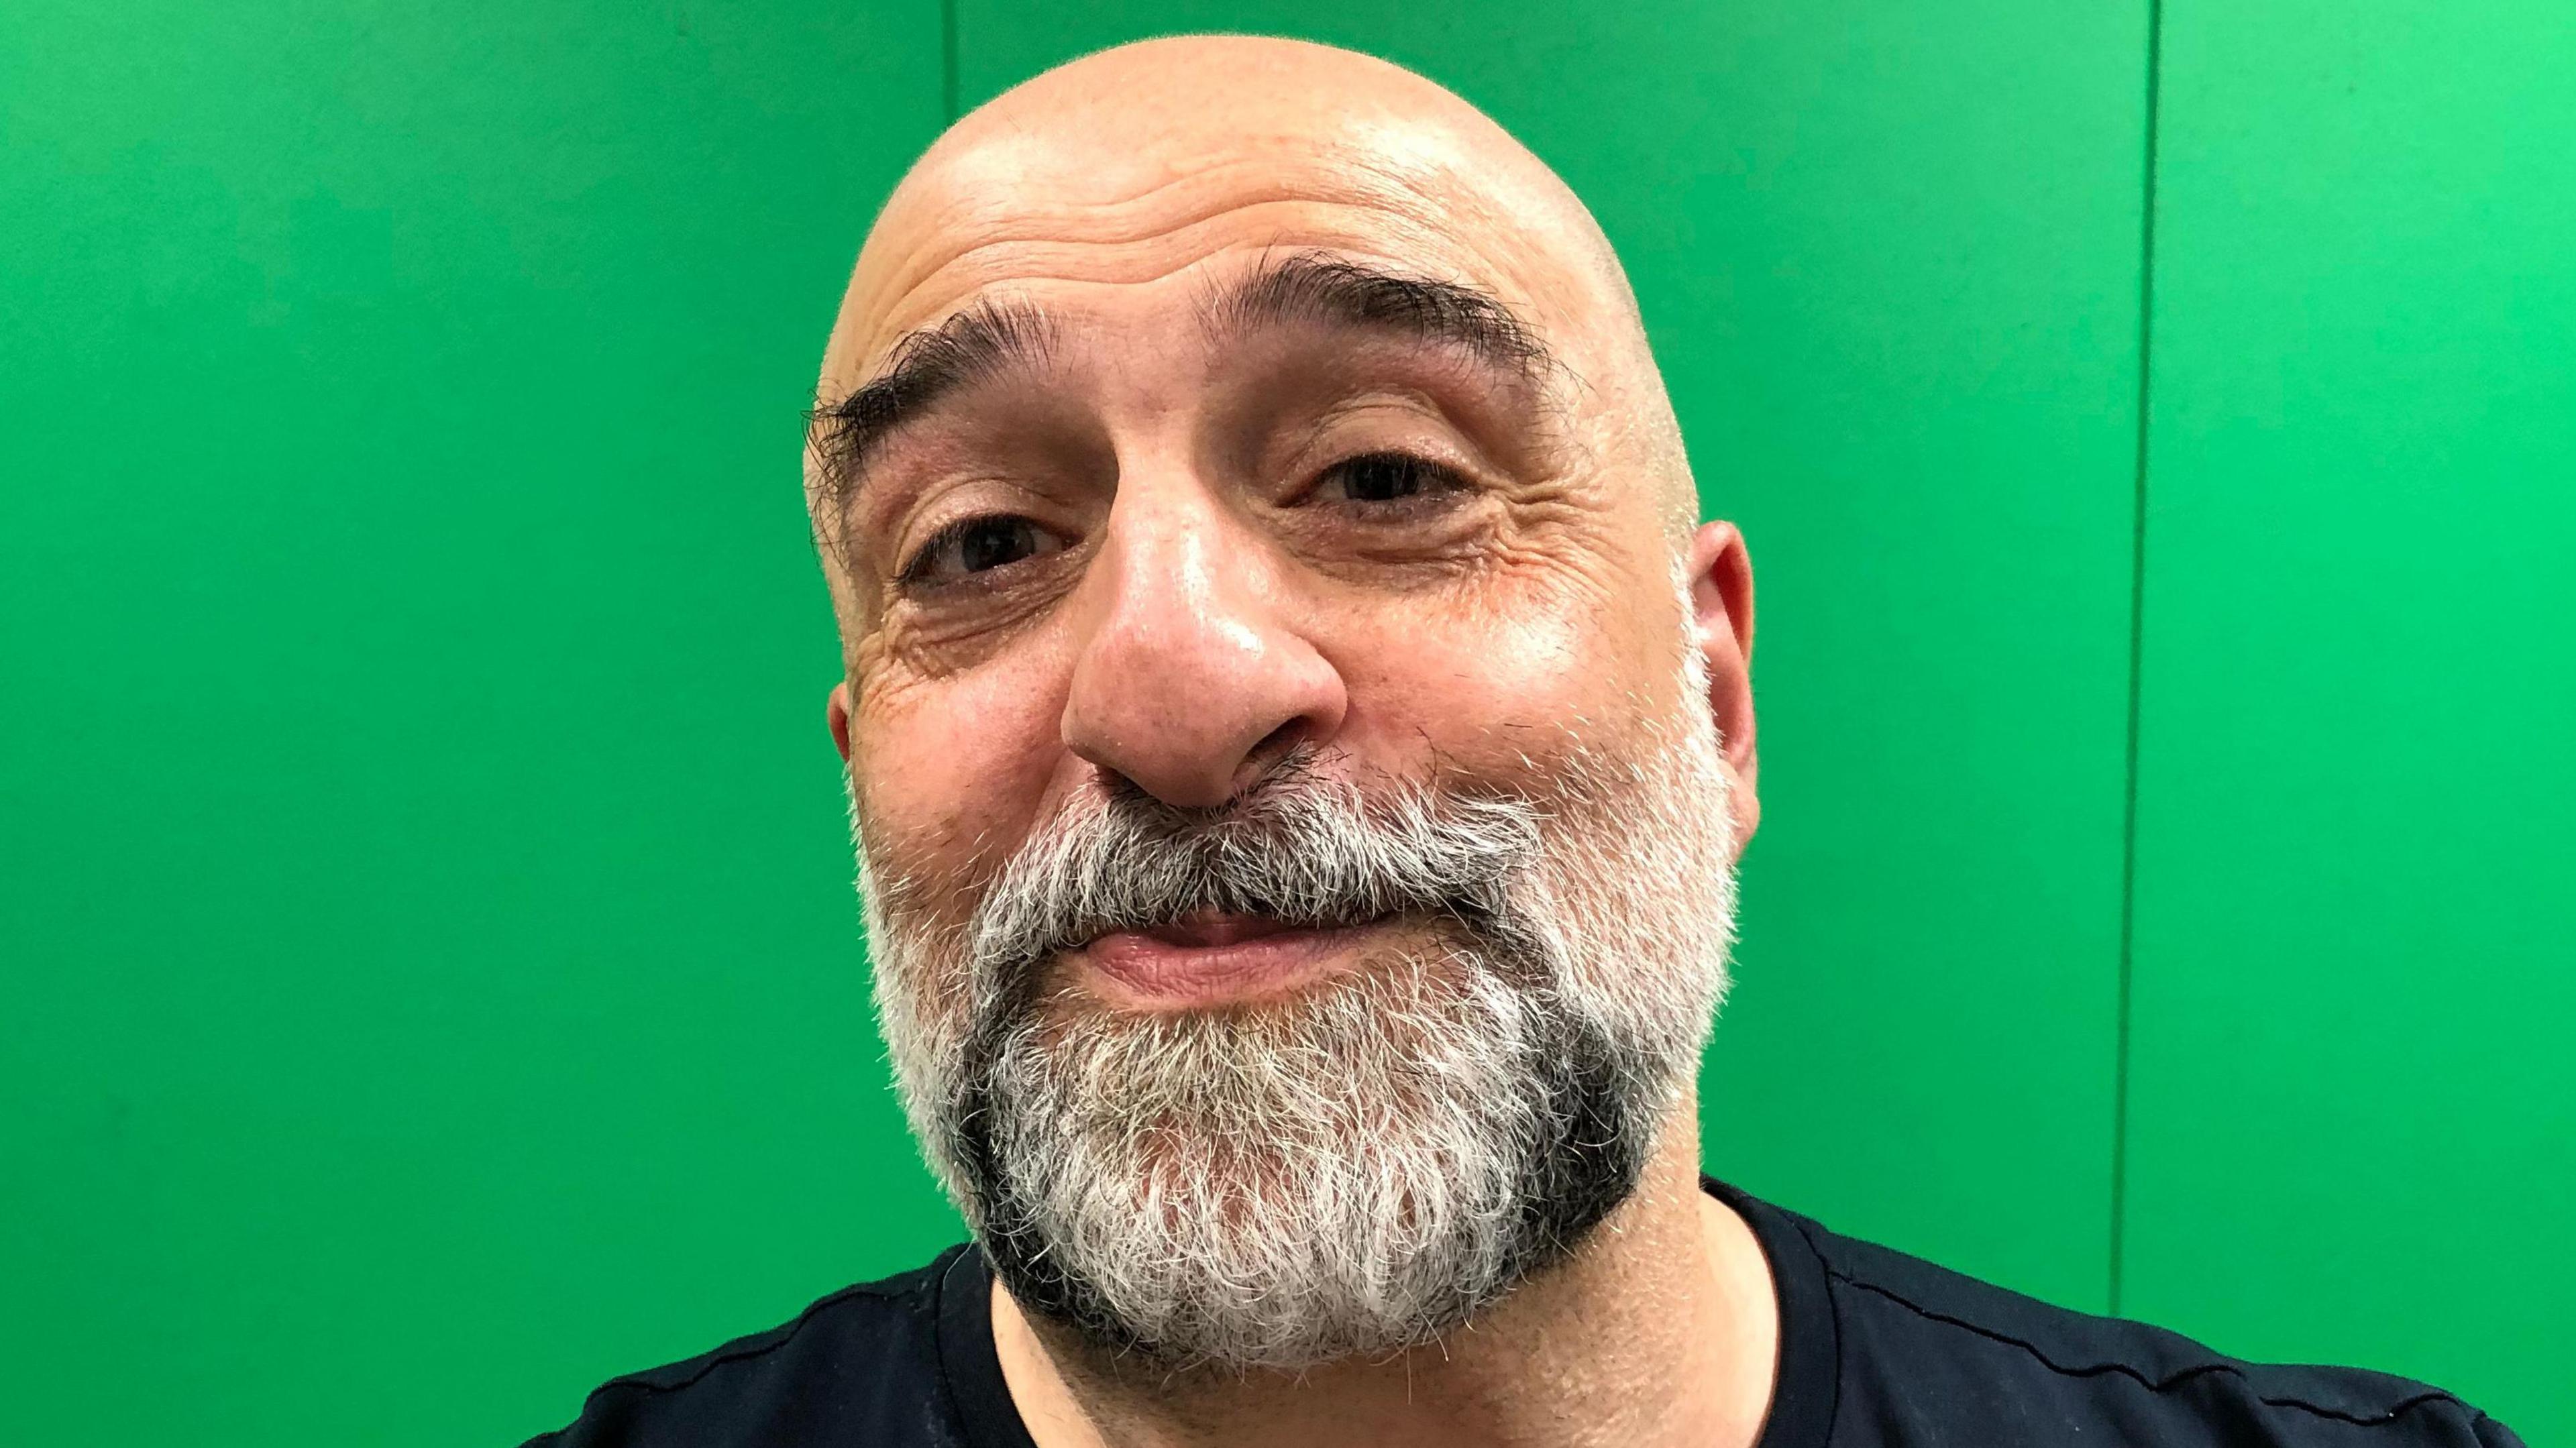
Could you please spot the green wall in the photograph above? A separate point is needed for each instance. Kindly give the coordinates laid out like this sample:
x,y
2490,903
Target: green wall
x,y
430,970
2352,1098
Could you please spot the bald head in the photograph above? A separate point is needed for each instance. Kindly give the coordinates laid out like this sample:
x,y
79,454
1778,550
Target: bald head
x,y
1228,449
1179,155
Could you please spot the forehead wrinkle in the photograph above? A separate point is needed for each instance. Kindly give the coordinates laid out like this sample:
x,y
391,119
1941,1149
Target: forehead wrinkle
x,y
941,220
1395,246
1309,172
1034,253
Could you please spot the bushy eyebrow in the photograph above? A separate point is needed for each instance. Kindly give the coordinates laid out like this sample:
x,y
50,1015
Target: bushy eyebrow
x,y
1304,288
990,337
1317,288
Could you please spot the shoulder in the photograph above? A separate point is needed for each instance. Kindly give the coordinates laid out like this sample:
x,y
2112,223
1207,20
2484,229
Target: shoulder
x,y
860,1366
1928,1355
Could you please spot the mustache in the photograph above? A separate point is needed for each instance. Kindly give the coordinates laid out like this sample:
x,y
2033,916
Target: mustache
x,y
1304,846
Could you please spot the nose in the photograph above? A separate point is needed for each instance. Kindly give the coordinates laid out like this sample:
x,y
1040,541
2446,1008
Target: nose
x,y
1189,674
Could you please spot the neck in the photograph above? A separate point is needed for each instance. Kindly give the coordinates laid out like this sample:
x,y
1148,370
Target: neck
x,y
1662,1328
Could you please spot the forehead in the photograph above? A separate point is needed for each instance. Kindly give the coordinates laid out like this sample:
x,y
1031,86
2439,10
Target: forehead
x,y
1057,216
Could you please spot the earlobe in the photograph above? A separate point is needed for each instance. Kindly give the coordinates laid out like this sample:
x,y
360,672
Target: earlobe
x,y
1721,601
837,710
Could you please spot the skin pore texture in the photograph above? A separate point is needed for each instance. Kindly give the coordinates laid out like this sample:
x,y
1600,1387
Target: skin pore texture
x,y
1121,528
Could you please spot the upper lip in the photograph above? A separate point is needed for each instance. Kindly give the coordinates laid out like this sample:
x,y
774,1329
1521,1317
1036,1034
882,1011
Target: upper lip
x,y
1213,928
1207,929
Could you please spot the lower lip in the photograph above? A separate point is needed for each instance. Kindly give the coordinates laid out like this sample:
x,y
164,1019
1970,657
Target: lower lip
x,y
1141,972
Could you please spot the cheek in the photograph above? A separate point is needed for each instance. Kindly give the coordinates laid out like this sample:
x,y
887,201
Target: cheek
x,y
950,771
1511,682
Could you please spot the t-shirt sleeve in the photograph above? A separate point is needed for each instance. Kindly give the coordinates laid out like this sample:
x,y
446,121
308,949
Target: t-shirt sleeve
x,y
858,1367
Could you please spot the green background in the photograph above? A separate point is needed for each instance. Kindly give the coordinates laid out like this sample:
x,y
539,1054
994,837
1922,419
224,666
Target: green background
x,y
431,979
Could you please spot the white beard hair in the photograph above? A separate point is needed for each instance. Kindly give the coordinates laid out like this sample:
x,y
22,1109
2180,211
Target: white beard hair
x,y
1339,1174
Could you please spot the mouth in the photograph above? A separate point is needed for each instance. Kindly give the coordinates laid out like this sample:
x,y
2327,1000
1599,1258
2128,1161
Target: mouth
x,y
1212,959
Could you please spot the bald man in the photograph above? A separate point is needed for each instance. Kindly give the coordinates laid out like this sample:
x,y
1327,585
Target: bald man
x,y
1299,742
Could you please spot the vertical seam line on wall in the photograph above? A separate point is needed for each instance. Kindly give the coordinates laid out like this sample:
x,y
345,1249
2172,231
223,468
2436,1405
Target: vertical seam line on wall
x,y
2137,656
948,60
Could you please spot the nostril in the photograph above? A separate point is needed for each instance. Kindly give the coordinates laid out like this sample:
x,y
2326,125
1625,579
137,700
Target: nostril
x,y
1274,751
1277,742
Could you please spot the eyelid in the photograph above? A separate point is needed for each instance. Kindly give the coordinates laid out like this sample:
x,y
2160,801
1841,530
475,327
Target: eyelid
x,y
967,500
910,569
1450,477
1399,423
913,570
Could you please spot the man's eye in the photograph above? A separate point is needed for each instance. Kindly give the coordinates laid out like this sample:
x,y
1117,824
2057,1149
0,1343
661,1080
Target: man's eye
x,y
1385,478
978,545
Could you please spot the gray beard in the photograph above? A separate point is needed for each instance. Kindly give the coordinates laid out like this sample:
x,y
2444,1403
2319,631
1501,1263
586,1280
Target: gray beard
x,y
1352,1173
1360,1167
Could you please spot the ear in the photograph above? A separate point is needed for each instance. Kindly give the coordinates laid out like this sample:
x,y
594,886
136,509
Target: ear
x,y
1721,601
838,710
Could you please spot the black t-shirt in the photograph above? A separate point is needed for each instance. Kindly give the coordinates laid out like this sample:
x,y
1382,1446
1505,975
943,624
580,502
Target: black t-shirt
x,y
1876,1348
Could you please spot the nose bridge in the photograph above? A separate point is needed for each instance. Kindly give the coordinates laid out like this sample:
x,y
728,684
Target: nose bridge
x,y
1189,661
1163,536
